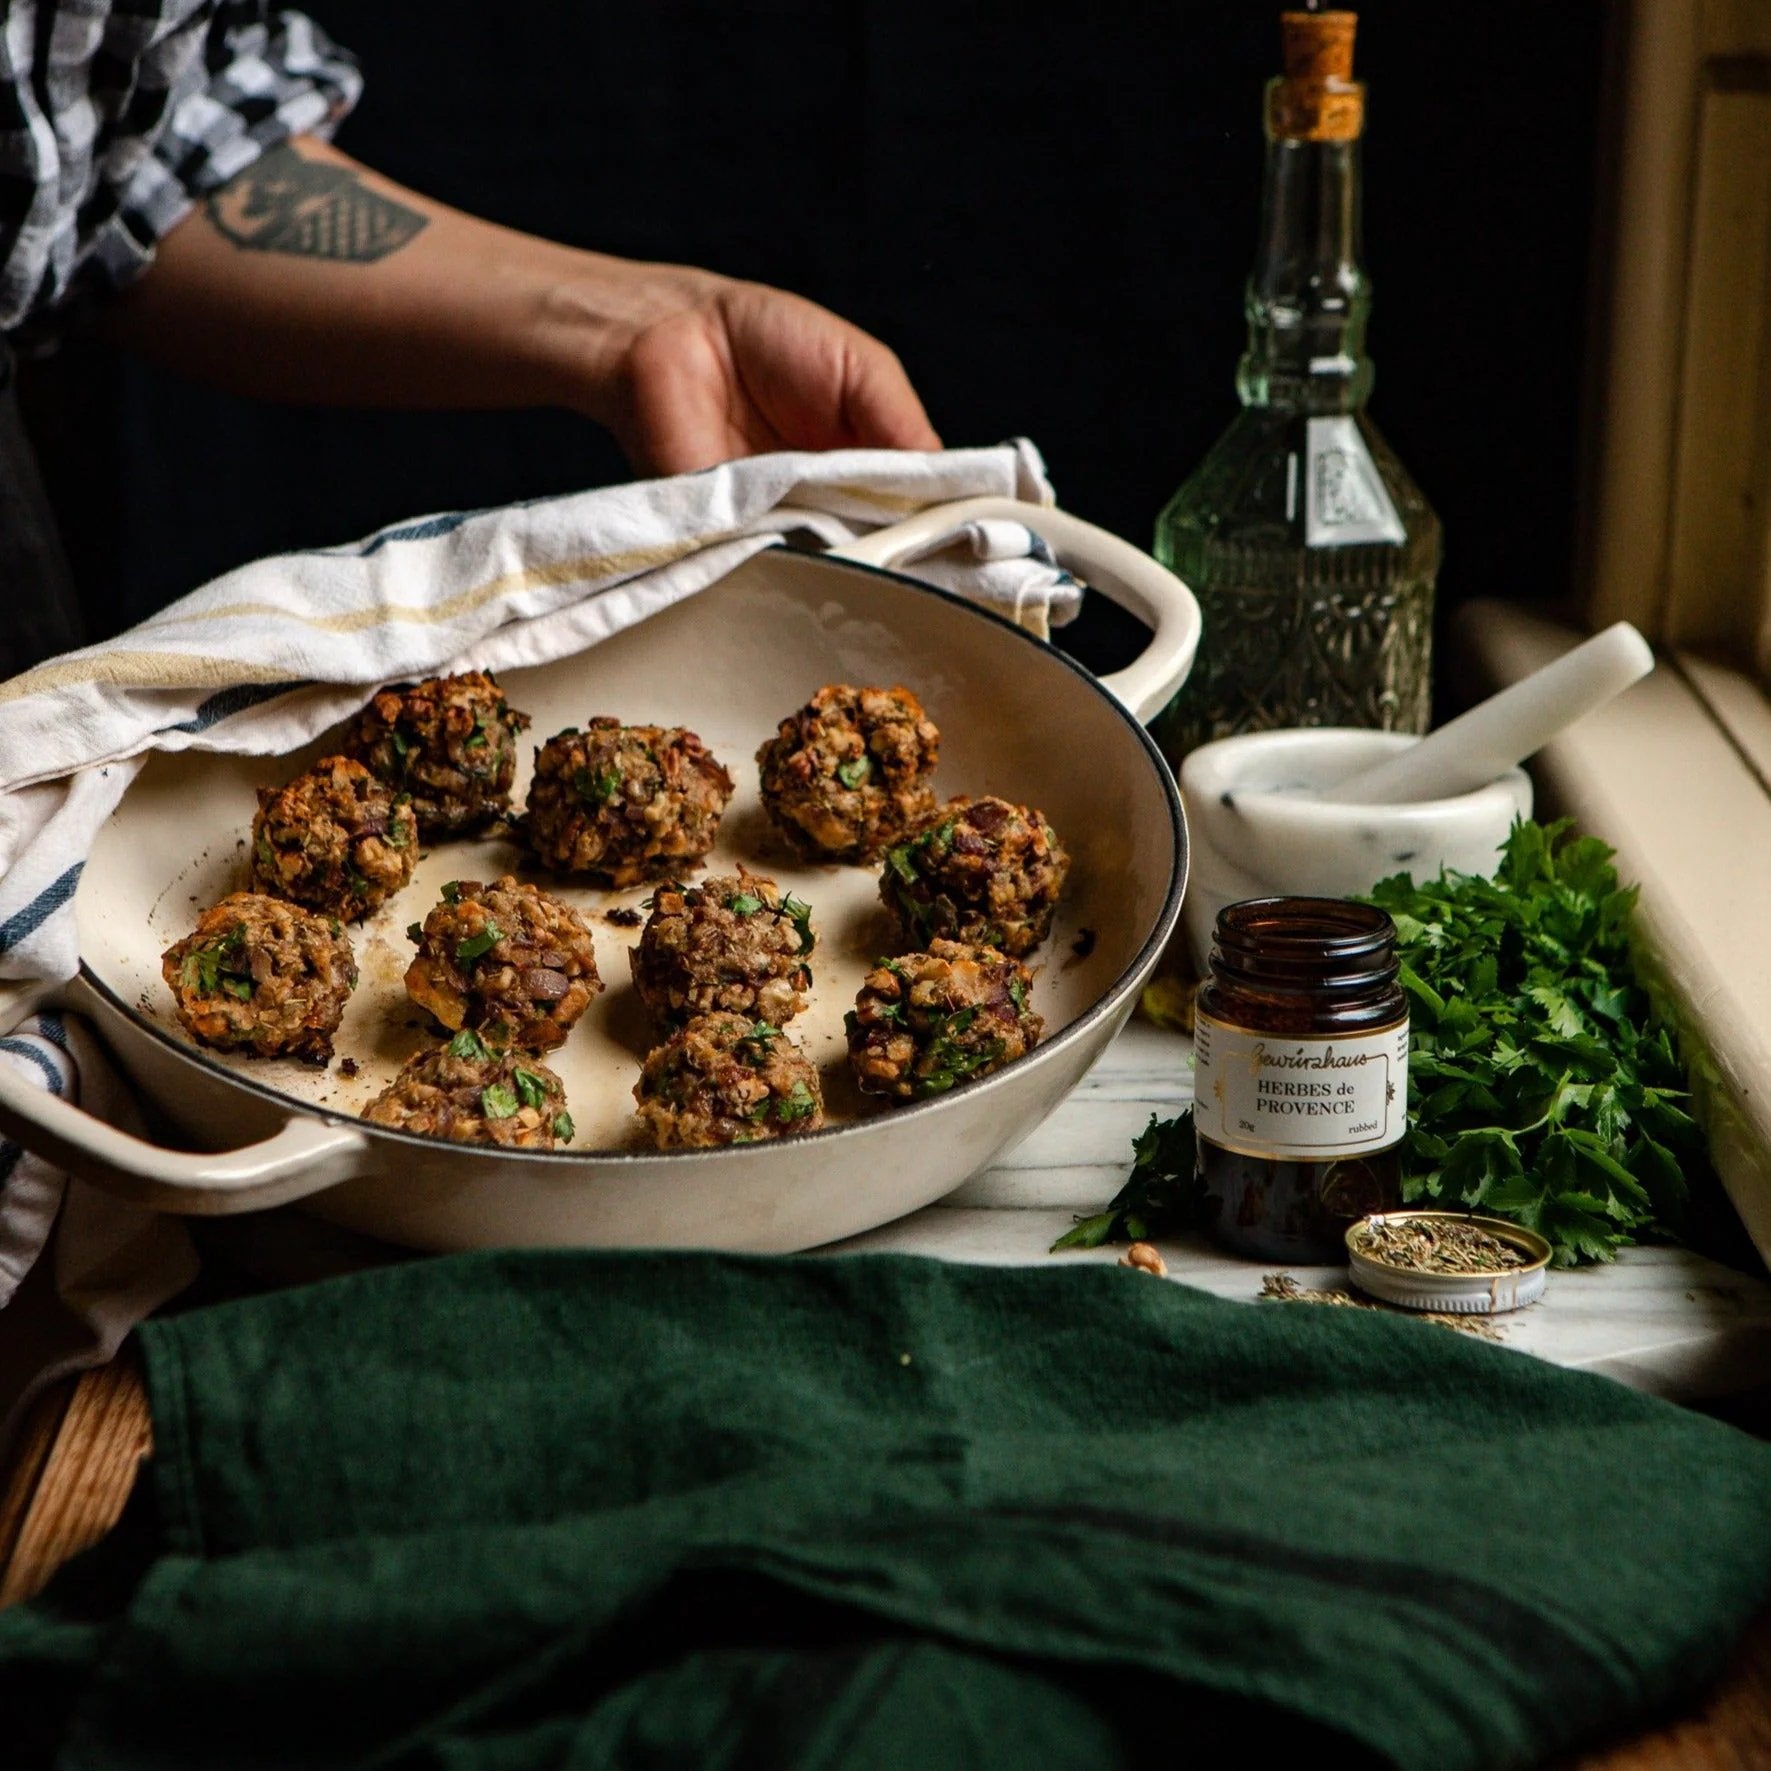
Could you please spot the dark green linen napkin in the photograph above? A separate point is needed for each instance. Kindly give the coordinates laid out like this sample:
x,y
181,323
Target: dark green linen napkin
x,y
699,1510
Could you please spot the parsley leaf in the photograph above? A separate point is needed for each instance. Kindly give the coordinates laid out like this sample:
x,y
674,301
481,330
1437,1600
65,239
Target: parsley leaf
x,y
596,787
497,1101
853,773
530,1087
1157,1199
798,1103
563,1128
216,965
799,913
452,892
471,947
744,903
468,1044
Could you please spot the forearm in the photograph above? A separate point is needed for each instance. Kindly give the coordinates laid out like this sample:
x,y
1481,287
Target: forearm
x,y
312,279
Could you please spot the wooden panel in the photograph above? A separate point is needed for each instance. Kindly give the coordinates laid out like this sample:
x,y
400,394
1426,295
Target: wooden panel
x,y
1718,526
1635,390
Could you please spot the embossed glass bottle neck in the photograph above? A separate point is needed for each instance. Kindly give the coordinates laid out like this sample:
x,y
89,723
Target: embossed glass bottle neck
x,y
1308,297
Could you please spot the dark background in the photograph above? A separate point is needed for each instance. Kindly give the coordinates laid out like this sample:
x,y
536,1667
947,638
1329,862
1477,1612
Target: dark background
x,y
1047,210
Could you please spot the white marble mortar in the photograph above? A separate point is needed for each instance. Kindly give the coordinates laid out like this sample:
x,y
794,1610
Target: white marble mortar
x,y
1260,827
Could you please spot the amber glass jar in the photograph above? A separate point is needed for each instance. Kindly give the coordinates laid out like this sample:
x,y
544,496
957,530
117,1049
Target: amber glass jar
x,y
1301,1082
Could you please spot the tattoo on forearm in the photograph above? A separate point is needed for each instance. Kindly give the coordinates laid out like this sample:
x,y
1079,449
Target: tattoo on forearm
x,y
310,209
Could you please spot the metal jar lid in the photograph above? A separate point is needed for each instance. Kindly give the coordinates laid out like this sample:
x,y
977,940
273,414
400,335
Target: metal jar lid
x,y
1463,1294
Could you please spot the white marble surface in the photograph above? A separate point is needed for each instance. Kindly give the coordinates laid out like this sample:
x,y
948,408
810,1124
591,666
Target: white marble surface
x,y
1658,1318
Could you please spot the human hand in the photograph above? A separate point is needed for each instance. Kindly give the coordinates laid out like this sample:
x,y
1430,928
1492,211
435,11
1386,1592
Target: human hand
x,y
719,369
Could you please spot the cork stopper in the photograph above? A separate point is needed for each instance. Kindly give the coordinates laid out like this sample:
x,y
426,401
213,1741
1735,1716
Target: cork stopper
x,y
1316,98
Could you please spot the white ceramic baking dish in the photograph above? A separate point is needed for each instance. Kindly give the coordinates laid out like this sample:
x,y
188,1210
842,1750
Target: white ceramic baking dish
x,y
1018,719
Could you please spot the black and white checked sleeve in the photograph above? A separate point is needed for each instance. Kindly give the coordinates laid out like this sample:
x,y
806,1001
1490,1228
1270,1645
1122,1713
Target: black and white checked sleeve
x,y
116,118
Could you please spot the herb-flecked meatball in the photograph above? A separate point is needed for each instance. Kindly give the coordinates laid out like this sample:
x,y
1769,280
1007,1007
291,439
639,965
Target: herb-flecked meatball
x,y
929,1020
506,959
981,871
262,976
726,1079
848,775
470,1094
450,742
335,839
625,803
732,943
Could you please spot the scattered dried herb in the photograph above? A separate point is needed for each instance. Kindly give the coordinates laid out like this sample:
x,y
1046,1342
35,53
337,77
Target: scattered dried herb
x,y
1281,1288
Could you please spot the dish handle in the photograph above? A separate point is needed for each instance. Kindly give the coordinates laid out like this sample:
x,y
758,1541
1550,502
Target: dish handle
x,y
305,1156
1122,573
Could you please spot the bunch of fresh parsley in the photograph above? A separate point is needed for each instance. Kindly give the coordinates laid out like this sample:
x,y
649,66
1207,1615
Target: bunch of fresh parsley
x,y
1541,1086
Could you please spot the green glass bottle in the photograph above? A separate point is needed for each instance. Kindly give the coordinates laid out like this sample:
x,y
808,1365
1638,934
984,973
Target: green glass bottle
x,y
1312,552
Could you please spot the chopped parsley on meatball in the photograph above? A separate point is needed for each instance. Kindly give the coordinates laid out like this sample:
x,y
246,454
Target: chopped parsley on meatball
x,y
981,871
450,742
335,839
848,775
730,943
928,1021
262,976
727,1079
625,803
506,959
468,1093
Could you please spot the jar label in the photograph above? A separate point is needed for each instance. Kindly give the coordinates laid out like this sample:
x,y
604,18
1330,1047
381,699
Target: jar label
x,y
1291,1098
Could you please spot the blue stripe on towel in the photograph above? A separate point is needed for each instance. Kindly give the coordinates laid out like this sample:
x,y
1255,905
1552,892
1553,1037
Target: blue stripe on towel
x,y
225,703
22,1048
52,1027
27,921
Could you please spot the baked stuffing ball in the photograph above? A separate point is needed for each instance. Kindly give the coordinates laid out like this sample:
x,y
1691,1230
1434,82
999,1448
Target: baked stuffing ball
x,y
449,741
848,775
625,803
468,1093
929,1020
335,839
727,1079
732,943
506,959
262,976
980,871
